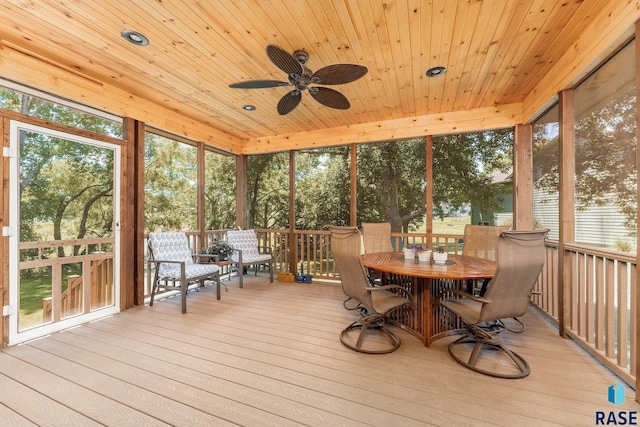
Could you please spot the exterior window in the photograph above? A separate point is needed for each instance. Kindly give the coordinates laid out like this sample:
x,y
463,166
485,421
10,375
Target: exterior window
x,y
170,184
391,182
546,131
322,188
268,191
219,191
605,155
472,180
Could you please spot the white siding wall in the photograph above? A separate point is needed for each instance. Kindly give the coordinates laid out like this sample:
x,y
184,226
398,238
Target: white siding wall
x,y
599,226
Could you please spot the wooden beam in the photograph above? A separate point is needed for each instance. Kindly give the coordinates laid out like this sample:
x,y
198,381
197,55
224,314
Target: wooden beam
x,y
353,174
502,116
613,25
128,264
138,205
200,195
4,221
241,191
566,172
293,239
523,178
429,189
635,315
34,72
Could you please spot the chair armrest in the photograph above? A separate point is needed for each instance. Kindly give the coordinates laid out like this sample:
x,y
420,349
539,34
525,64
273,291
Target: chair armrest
x,y
216,258
463,294
167,261
390,287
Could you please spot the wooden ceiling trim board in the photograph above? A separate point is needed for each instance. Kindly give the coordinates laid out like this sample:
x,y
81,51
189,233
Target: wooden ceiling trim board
x,y
521,41
373,78
488,50
436,124
516,18
414,52
362,50
268,97
349,46
462,40
600,38
424,42
539,64
45,42
441,45
121,52
374,21
401,36
28,70
536,28
482,51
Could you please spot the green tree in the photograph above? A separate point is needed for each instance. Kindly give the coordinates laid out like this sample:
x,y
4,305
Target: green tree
x,y
391,182
462,170
268,191
170,188
322,188
220,191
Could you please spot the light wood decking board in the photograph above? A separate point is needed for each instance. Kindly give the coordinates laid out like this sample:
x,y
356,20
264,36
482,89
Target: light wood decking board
x,y
270,354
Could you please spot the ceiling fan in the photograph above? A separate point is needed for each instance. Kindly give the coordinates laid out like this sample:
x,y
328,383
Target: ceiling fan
x,y
300,77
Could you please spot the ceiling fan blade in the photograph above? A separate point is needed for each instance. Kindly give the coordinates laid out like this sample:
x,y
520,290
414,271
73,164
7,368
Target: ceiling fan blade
x,y
330,98
338,74
258,84
283,60
289,102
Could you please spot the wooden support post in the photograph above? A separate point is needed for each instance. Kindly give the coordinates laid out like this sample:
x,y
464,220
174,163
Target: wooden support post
x,y
566,171
241,191
293,240
429,189
353,173
523,177
635,317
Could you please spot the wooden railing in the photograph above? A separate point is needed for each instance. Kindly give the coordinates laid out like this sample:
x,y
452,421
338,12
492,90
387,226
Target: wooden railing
x,y
600,302
71,299
96,259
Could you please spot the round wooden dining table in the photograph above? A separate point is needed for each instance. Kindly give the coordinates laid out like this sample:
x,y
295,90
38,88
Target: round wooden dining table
x,y
426,281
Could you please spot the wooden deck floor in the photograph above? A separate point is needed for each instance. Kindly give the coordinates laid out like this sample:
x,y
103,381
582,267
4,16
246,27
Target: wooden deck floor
x,y
269,354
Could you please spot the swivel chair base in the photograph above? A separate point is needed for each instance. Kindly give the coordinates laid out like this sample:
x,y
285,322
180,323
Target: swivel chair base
x,y
385,340
492,342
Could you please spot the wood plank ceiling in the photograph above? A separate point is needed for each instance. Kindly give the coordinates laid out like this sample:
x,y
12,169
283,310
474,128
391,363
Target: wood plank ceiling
x,y
495,53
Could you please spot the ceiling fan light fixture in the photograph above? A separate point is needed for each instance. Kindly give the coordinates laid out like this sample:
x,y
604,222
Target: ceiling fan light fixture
x,y
135,37
435,71
249,107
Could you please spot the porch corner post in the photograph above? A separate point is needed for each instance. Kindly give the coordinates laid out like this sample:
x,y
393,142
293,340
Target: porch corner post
x,y
132,216
523,177
566,232
241,191
200,184
293,241
353,176
429,189
635,317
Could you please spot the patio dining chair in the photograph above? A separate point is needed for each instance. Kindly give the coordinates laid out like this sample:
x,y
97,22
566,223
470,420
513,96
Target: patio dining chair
x,y
368,334
520,257
376,237
175,268
481,241
246,251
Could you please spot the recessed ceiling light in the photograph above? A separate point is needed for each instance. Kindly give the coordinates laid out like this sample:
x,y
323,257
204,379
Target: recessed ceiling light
x,y
134,37
249,107
435,71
